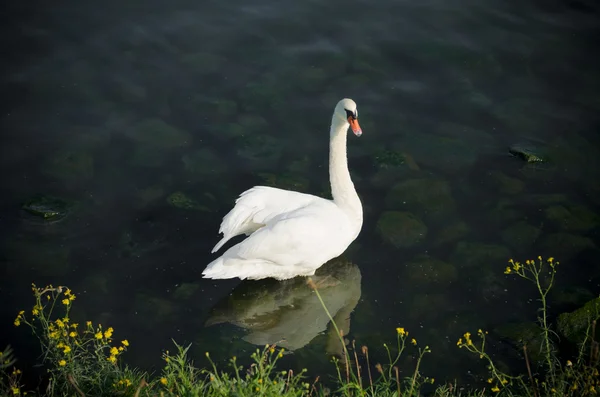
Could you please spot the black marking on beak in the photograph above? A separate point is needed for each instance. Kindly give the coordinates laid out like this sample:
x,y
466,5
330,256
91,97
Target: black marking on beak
x,y
351,114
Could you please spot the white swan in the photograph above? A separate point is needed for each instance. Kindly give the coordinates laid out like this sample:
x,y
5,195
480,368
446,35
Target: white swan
x,y
293,234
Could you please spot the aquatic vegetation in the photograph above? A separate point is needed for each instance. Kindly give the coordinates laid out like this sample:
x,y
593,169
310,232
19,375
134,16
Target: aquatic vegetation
x,y
85,359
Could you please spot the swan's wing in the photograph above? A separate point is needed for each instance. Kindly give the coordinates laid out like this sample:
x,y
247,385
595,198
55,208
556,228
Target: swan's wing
x,y
305,237
257,206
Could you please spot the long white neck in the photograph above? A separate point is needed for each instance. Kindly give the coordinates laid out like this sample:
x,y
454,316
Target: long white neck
x,y
342,189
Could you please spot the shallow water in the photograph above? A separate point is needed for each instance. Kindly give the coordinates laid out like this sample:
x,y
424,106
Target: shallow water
x,y
115,109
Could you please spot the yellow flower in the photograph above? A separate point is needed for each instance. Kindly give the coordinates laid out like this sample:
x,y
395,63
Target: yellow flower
x,y
553,390
108,333
62,363
164,381
459,342
15,390
539,257
98,335
490,380
88,323
35,311
17,322
67,349
569,363
432,380
495,389
112,359
504,381
121,348
53,335
114,351
72,297
60,323
400,331
259,381
125,342
66,302
508,270
413,341
550,260
72,334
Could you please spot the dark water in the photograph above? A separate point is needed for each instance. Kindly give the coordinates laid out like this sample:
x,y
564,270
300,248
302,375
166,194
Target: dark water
x,y
116,107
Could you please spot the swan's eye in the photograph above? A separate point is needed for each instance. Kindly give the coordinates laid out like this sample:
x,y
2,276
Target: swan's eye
x,y
351,114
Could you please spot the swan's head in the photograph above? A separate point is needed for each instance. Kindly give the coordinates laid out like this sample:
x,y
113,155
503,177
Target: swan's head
x,y
346,111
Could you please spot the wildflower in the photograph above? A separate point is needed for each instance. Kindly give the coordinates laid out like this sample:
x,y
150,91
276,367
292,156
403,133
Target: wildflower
x,y
413,341
108,333
432,380
59,323
274,382
459,342
15,390
67,349
112,359
17,322
53,335
121,348
88,323
495,389
66,302
98,335
257,388
164,381
490,380
35,311
114,351
72,334
504,381
553,390
574,387
74,325
508,270
569,363
125,342
62,363
127,382
400,331
539,257
550,260
259,381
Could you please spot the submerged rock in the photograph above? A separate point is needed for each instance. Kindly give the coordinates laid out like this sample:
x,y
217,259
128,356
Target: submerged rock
x,y
156,133
525,153
452,233
520,236
47,208
565,245
470,254
202,163
576,218
401,229
149,195
430,198
259,150
70,166
181,200
286,181
505,184
527,333
427,270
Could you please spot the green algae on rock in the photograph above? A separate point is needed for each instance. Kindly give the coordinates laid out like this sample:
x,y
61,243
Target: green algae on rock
x,y
575,325
400,229
47,208
182,201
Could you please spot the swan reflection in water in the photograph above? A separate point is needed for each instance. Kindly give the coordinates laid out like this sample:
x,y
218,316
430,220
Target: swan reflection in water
x,y
288,313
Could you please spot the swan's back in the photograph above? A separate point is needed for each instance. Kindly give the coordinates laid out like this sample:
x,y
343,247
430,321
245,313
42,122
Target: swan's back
x,y
255,207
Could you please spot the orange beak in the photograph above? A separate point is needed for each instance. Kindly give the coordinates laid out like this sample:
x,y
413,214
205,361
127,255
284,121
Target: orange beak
x,y
354,126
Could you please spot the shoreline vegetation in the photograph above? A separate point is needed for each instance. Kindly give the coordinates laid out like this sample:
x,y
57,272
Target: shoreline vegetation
x,y
84,359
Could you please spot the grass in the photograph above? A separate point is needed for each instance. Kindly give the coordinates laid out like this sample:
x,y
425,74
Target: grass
x,y
85,360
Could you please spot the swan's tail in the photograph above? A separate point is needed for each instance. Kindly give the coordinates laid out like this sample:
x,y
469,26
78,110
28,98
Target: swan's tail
x,y
251,269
